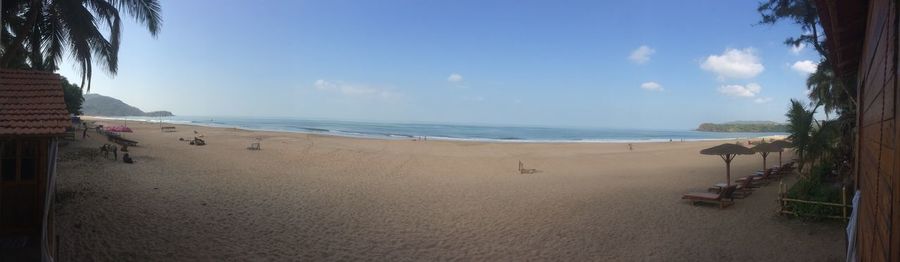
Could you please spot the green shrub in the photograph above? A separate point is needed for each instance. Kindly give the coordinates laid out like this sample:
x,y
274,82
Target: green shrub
x,y
813,189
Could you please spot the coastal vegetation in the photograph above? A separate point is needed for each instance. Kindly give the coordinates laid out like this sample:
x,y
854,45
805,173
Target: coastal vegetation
x,y
100,105
743,126
825,146
73,96
813,188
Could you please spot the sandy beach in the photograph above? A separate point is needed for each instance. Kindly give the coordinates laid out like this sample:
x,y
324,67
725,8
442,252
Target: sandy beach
x,y
308,197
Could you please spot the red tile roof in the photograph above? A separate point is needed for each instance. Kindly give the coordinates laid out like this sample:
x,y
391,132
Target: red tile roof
x,y
32,103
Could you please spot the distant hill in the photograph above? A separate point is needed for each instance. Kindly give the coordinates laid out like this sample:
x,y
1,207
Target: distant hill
x,y
100,105
744,126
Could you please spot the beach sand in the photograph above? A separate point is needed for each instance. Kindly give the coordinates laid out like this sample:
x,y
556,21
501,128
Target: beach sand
x,y
310,197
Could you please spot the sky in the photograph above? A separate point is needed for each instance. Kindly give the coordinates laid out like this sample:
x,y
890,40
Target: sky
x,y
615,64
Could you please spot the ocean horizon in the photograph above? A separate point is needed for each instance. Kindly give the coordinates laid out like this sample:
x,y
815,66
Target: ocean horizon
x,y
447,131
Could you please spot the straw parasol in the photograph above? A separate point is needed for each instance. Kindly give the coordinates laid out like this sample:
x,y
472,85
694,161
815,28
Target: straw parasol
x,y
727,152
782,144
764,149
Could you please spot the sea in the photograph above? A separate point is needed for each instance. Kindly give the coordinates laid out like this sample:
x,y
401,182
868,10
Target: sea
x,y
439,131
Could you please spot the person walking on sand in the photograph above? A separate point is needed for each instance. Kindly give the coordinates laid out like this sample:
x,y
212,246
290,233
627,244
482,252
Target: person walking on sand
x,y
84,133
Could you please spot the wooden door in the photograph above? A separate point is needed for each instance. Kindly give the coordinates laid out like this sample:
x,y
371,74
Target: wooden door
x,y
22,173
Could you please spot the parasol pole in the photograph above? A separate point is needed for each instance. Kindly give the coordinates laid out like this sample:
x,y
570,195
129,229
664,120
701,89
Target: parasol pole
x,y
728,170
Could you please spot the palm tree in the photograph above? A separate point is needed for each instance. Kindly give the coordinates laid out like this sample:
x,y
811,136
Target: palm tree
x,y
814,141
827,89
36,33
823,144
800,125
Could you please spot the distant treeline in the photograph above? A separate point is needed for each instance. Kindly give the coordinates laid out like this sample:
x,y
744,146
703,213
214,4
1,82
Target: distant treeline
x,y
755,126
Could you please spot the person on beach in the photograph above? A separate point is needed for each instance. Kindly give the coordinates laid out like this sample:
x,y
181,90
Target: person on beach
x,y
630,147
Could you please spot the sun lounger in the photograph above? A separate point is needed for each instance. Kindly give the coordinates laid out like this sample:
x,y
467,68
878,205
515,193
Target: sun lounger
x,y
744,188
759,179
724,198
523,170
787,168
253,146
198,142
774,172
167,128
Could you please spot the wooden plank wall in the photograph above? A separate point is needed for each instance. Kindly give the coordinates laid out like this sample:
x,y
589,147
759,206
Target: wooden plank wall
x,y
878,228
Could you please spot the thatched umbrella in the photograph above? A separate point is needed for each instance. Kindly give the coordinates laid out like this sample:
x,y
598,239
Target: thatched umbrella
x,y
727,152
782,144
764,149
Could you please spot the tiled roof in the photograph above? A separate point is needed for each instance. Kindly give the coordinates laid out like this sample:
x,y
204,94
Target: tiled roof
x,y
32,103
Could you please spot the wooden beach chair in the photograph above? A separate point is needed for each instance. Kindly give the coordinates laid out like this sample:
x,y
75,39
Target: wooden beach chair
x,y
773,173
197,142
253,146
523,170
787,168
743,189
758,180
724,198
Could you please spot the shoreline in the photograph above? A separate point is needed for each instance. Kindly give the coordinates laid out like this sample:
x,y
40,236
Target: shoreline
x,y
391,137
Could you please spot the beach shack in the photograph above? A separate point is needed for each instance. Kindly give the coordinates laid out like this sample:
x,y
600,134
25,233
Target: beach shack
x,y
863,37
32,118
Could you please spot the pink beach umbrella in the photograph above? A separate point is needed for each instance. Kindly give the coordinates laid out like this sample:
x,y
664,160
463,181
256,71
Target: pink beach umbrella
x,y
119,129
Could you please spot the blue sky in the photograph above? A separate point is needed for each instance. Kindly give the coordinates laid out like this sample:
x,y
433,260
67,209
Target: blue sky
x,y
624,64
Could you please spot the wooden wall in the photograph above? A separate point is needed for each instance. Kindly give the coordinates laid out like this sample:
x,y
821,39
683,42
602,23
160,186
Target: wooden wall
x,y
878,228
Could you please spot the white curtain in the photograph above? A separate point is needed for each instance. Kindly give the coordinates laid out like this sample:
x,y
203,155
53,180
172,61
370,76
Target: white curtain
x,y
851,230
46,253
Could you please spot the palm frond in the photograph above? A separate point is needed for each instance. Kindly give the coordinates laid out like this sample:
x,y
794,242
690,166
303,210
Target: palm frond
x,y
55,37
147,12
42,31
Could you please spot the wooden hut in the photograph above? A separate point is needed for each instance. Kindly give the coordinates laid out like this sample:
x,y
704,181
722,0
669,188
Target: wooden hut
x,y
862,43
32,117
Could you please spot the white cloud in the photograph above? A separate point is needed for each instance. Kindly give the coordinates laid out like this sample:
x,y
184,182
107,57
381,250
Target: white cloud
x,y
641,54
455,78
797,49
652,86
352,89
762,100
734,63
805,66
749,90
